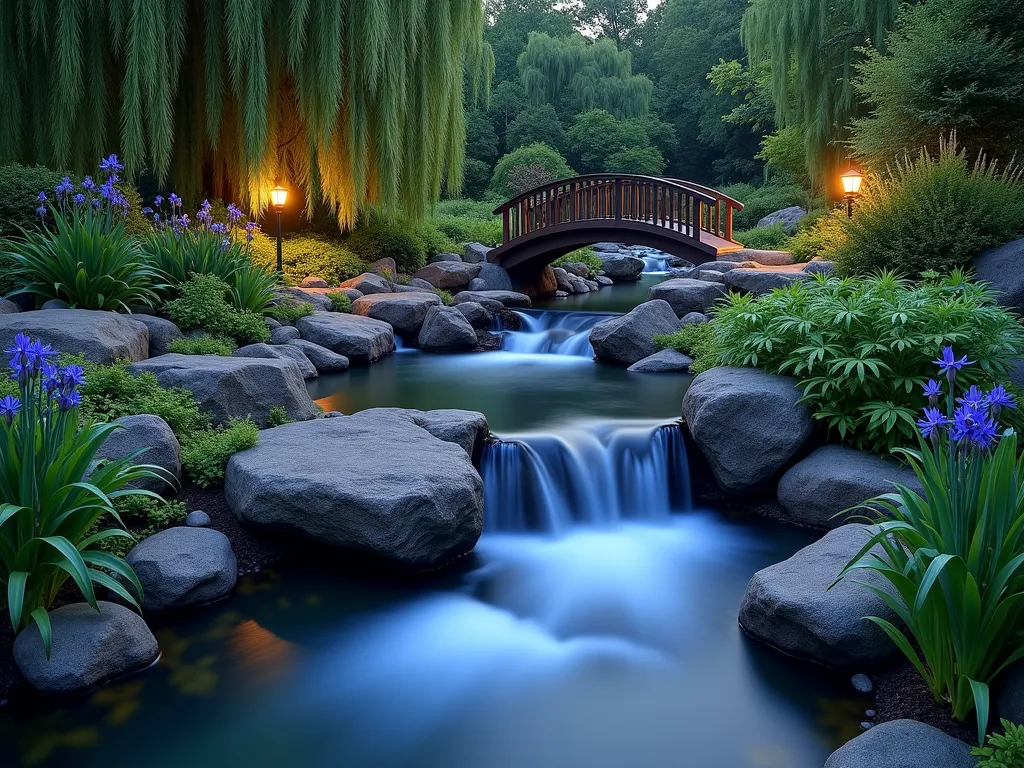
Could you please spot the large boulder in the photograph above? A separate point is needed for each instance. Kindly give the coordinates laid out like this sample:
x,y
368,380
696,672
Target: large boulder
x,y
757,256
448,275
509,299
322,358
161,333
368,283
8,307
284,334
493,278
788,218
318,298
387,265
283,351
761,281
685,295
235,387
88,648
621,268
374,483
476,253
629,338
446,329
361,339
444,257
180,567
405,312
902,744
789,605
468,429
747,424
834,478
665,361
151,435
1000,268
103,337
477,315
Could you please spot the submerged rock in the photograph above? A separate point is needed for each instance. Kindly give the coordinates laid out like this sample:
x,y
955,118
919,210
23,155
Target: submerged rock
x,y
902,744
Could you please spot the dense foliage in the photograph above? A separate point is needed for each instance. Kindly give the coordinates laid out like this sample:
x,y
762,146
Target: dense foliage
x,y
526,168
309,255
202,344
205,454
1002,750
698,340
205,305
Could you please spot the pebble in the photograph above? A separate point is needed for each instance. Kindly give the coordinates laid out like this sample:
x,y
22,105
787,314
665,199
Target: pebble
x,y
869,713
197,519
862,683
333,415
864,726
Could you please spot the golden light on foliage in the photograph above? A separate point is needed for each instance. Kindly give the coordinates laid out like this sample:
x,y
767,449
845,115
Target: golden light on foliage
x,y
357,103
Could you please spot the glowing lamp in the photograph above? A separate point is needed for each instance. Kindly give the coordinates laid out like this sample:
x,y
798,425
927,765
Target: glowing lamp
x,y
278,197
852,180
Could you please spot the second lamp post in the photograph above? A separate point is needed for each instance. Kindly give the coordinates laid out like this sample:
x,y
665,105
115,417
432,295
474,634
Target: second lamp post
x,y
278,196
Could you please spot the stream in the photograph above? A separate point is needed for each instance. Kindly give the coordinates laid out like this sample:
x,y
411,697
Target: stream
x,y
595,625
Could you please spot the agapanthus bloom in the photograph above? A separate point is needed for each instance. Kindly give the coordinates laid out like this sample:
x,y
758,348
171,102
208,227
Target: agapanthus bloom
x,y
158,201
174,200
71,400
79,198
999,398
147,211
27,357
973,424
64,187
218,228
88,184
949,365
9,407
41,211
41,197
932,422
250,229
111,164
973,397
932,391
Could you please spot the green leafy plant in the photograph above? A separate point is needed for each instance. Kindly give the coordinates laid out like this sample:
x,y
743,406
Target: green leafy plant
x,y
340,302
203,344
446,298
253,287
698,340
467,229
818,236
582,256
862,347
309,255
205,455
773,238
277,416
177,254
758,202
526,168
54,495
19,189
1002,750
204,305
288,310
953,556
143,516
378,236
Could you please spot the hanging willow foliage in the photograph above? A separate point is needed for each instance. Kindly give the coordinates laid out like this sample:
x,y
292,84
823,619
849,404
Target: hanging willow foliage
x,y
356,102
597,75
812,46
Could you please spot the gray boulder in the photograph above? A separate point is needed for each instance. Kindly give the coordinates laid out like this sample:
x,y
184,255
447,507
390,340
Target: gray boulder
x,y
577,268
235,387
182,566
509,299
55,304
446,329
444,257
694,318
717,266
787,217
761,281
322,358
160,447
467,429
374,483
604,280
88,648
368,283
161,333
790,607
476,314
361,339
405,312
562,279
279,352
420,284
709,276
686,295
665,361
476,253
494,278
284,334
380,266
835,478
821,267
448,275
767,258
103,337
197,519
8,307
747,424
352,294
620,268
476,284
270,322
1000,268
629,338
318,299
902,744
606,247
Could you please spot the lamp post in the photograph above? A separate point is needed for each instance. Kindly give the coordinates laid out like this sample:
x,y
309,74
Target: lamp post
x,y
278,196
852,180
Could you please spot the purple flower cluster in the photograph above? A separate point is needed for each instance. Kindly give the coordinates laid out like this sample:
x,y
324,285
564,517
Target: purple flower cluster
x,y
30,361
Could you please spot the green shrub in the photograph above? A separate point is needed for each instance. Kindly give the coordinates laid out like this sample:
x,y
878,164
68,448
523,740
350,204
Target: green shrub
x,y
277,416
307,255
378,236
645,161
178,254
203,344
469,229
864,347
446,298
435,240
698,340
467,209
526,168
581,256
820,237
932,213
1002,750
773,238
204,455
19,187
758,202
253,287
289,311
143,516
204,305
340,302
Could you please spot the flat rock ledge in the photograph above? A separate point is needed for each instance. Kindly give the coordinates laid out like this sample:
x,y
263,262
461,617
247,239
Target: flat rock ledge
x,y
902,744
181,567
374,483
790,607
89,648
103,337
362,340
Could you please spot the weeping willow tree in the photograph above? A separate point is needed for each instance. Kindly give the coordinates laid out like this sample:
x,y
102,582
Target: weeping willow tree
x,y
812,47
355,102
595,75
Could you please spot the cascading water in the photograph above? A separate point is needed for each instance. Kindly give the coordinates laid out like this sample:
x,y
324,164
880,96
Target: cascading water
x,y
593,473
551,332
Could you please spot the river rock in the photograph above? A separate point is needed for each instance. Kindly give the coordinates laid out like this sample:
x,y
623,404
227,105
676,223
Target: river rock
x,y
103,337
314,282
1000,268
562,279
787,217
8,307
446,329
404,312
420,284
444,257
368,283
151,435
747,424
283,351
578,284
284,334
235,387
352,294
834,478
476,253
88,648
322,358
606,247
374,483
509,299
709,276
686,295
902,744
786,605
761,281
448,275
181,566
361,339
621,268
665,361
382,266
476,284
161,333
767,258
198,519
271,323
318,299
493,277
55,304
629,338
604,281
467,429
819,267
476,314
694,318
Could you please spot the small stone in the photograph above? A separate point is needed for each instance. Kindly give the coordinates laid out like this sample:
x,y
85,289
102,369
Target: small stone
x,y
55,304
869,713
197,519
862,683
314,282
333,415
865,725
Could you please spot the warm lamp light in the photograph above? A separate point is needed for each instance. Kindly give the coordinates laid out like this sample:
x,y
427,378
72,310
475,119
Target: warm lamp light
x,y
278,196
852,180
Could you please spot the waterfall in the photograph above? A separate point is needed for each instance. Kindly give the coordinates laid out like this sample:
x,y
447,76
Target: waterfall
x,y
553,332
594,474
656,264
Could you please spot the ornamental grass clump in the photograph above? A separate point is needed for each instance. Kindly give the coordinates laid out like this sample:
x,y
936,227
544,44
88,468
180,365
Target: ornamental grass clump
x,y
54,495
953,556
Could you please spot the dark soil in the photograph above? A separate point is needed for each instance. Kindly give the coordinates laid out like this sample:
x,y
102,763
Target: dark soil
x,y
900,692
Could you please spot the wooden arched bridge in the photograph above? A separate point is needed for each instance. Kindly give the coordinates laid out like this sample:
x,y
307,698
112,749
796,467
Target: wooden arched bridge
x,y
678,217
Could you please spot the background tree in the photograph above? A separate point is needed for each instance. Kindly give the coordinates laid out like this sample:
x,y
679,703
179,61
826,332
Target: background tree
x,y
533,125
617,20
646,161
512,21
526,168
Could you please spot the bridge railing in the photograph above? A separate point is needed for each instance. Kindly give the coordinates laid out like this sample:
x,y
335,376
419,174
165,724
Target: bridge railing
x,y
665,203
